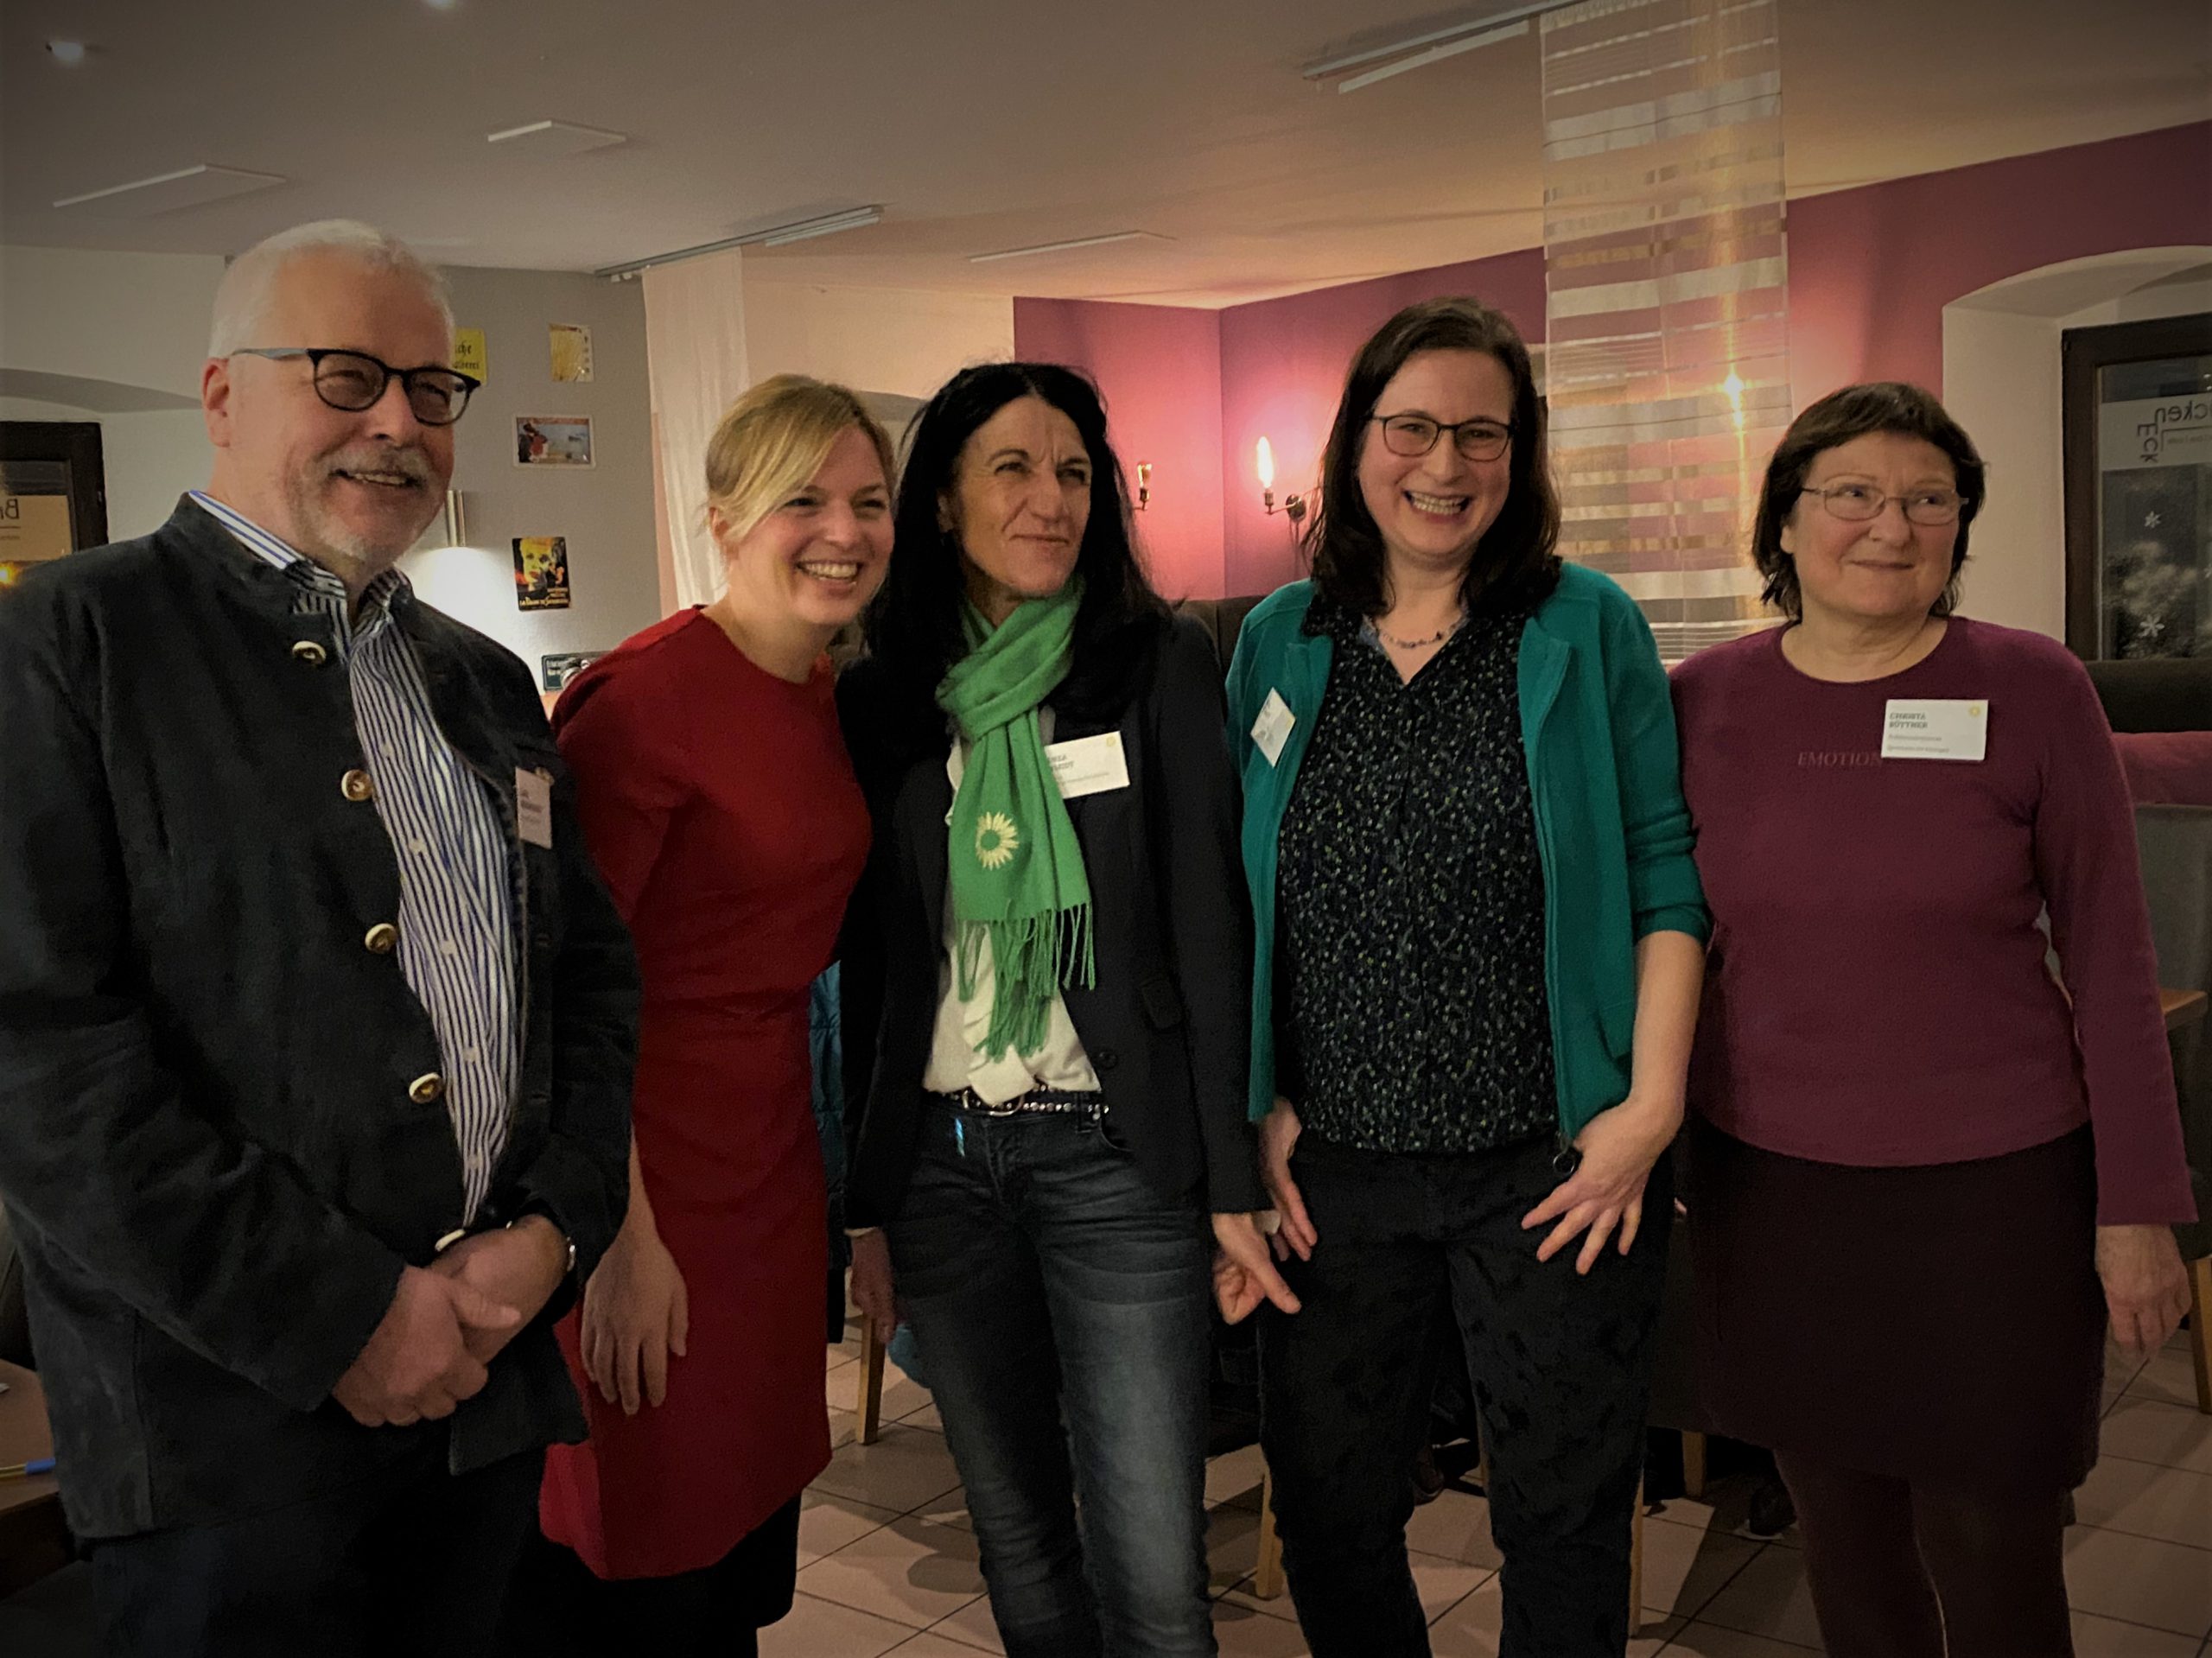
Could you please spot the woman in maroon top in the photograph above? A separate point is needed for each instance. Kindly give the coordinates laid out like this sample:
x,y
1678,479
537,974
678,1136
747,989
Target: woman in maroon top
x,y
1923,1175
720,806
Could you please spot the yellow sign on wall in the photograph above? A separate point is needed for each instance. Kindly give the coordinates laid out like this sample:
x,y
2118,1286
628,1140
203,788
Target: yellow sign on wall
x,y
468,353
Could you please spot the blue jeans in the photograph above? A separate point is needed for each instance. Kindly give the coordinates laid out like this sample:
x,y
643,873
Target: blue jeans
x,y
1062,1309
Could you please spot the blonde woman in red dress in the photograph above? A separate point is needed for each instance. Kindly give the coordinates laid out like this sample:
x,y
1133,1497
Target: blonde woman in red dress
x,y
721,808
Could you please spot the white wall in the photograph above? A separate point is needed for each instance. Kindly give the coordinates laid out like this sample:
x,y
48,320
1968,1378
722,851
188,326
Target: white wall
x,y
871,338
606,512
130,332
2002,381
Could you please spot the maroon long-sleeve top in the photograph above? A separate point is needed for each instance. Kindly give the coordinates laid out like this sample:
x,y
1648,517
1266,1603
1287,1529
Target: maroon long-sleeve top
x,y
1876,992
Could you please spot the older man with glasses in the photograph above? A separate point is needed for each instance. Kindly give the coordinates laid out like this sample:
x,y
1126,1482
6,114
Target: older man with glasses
x,y
315,1025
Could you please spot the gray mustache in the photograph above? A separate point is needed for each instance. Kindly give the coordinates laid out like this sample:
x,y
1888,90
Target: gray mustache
x,y
410,463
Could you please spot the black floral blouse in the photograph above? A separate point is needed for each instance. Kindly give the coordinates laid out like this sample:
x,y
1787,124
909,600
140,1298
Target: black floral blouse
x,y
1412,1014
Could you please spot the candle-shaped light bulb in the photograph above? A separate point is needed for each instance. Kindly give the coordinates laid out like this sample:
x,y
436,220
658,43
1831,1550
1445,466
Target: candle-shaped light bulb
x,y
1266,464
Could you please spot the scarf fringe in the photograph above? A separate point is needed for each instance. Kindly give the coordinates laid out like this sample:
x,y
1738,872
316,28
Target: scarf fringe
x,y
1031,957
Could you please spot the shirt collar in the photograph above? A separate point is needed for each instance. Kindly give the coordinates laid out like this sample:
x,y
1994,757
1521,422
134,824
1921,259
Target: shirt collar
x,y
274,549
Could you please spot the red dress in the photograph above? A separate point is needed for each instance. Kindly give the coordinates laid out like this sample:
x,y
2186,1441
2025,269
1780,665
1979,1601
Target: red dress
x,y
721,808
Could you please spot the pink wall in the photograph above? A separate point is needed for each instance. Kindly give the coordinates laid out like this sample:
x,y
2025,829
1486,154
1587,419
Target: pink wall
x,y
1870,272
1159,368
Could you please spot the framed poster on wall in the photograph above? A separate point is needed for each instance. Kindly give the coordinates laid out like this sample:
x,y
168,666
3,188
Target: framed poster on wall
x,y
2138,488
52,492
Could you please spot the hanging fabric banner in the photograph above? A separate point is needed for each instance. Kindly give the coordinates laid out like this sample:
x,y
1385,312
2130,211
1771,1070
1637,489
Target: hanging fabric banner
x,y
1665,277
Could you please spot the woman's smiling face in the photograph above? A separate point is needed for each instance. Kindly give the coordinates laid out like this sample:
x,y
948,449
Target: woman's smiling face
x,y
1432,509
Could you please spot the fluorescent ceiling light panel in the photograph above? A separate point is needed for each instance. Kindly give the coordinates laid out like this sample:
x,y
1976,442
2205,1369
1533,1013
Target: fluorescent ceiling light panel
x,y
1484,24
555,138
775,236
188,187
1434,55
1063,247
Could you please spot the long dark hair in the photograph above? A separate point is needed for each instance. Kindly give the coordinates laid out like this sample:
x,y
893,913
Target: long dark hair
x,y
1516,562
1854,412
912,626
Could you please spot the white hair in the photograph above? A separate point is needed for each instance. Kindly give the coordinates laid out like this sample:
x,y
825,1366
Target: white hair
x,y
242,297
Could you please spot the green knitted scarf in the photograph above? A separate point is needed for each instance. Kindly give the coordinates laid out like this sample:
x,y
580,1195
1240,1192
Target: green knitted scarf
x,y
1017,874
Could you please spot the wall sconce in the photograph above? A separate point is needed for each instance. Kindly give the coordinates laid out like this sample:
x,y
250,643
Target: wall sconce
x,y
1293,506
456,520
1144,485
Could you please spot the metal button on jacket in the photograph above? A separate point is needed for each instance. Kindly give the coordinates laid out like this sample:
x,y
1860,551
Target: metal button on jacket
x,y
309,652
428,1089
381,938
357,784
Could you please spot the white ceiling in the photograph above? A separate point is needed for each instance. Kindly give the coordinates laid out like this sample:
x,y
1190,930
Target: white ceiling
x,y
979,124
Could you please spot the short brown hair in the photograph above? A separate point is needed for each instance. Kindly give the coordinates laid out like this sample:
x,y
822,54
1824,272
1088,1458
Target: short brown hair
x,y
773,440
1516,562
1856,411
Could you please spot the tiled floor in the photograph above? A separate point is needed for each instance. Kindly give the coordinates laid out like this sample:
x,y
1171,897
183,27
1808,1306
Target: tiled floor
x,y
888,1564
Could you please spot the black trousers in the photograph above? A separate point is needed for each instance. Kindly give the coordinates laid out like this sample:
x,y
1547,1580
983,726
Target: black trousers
x,y
415,1561
1560,1364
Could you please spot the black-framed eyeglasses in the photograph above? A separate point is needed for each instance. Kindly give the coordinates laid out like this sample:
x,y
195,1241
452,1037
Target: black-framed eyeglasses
x,y
353,380
1861,502
1413,435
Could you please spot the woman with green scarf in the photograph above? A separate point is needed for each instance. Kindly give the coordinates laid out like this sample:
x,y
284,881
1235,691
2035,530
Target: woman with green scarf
x,y
1046,984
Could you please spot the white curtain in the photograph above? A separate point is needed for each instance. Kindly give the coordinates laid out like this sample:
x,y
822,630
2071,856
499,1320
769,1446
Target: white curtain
x,y
695,345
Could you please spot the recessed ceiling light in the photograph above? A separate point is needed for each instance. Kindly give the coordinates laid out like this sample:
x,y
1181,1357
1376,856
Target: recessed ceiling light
x,y
775,236
1064,247
555,138
188,187
71,53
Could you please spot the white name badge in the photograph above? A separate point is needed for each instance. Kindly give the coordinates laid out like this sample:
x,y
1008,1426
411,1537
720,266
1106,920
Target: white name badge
x,y
1088,765
1934,728
534,806
1272,730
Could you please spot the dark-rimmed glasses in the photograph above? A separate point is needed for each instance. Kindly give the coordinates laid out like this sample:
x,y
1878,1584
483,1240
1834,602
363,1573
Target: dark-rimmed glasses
x,y
1861,503
353,380
1416,435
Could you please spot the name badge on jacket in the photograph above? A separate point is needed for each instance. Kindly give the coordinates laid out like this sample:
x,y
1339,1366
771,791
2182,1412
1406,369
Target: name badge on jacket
x,y
534,806
1088,765
1272,730
1934,728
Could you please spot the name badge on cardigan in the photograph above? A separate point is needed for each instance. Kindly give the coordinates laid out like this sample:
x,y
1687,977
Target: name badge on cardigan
x,y
1088,765
1272,730
1934,728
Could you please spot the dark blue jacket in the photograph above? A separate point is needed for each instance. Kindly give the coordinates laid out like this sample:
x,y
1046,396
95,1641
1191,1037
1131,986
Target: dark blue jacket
x,y
208,1145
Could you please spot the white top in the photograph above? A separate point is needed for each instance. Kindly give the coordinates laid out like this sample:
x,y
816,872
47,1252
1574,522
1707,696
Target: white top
x,y
956,1057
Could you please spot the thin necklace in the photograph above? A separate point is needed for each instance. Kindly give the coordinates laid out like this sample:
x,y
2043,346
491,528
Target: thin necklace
x,y
1437,638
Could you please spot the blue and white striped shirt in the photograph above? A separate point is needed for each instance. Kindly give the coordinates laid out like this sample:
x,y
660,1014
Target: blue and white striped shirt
x,y
456,908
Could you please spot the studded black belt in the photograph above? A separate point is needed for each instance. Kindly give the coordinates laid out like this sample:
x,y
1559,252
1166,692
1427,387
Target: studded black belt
x,y
1038,1102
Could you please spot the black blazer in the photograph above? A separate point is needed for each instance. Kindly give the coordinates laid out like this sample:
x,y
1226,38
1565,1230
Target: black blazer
x,y
1164,1027
207,1147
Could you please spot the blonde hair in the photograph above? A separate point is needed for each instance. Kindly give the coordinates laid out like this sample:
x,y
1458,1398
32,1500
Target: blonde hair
x,y
243,296
774,439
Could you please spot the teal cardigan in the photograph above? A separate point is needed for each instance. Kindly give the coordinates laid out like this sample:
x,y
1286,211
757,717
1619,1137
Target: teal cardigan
x,y
1597,727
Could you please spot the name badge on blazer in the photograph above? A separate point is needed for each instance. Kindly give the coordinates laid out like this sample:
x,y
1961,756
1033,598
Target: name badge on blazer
x,y
534,806
1934,728
1088,765
1272,730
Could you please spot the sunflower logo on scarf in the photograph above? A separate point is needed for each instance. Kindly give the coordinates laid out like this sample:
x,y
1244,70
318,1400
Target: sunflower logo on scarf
x,y
996,840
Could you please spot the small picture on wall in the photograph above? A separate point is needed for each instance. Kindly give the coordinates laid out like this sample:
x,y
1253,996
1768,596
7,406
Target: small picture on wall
x,y
558,669
553,440
571,344
541,572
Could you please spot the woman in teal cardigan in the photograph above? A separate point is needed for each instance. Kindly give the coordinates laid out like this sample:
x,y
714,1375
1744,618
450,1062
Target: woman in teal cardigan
x,y
1480,939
